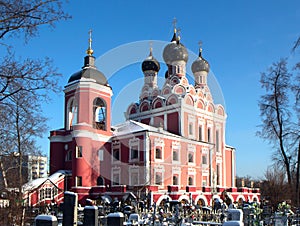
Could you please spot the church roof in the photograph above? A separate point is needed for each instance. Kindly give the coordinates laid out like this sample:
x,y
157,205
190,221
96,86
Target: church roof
x,y
131,126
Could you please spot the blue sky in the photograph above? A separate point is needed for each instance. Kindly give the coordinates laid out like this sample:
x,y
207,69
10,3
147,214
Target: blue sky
x,y
240,39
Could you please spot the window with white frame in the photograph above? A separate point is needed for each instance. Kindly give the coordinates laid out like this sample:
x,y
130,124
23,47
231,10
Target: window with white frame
x,y
159,148
175,179
204,159
116,154
204,183
191,153
175,155
72,113
158,153
116,176
175,151
191,180
191,126
159,175
116,151
78,151
200,133
176,171
209,134
78,181
134,149
134,176
158,178
217,140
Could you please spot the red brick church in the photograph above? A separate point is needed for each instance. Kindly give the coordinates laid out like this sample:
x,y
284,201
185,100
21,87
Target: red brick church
x,y
171,145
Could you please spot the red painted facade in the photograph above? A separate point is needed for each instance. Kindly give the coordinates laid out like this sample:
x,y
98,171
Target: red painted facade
x,y
172,144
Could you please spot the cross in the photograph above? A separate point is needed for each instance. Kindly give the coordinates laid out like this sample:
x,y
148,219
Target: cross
x,y
174,23
150,44
200,47
90,39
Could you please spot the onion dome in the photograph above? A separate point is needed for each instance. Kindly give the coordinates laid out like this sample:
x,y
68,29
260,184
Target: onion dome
x,y
200,64
89,70
175,51
150,63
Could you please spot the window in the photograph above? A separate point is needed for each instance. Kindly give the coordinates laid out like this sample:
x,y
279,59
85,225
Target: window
x,y
208,135
78,151
204,183
175,180
54,192
204,159
134,179
217,141
72,113
48,193
175,156
191,157
158,179
134,152
78,181
116,179
69,156
200,133
42,194
158,153
190,129
116,154
190,181
99,114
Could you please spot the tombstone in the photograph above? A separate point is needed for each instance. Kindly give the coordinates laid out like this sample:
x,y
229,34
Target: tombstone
x,y
45,220
70,209
115,219
90,216
234,215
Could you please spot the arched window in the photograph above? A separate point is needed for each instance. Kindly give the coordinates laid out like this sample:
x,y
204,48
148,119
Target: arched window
x,y
99,114
191,181
72,113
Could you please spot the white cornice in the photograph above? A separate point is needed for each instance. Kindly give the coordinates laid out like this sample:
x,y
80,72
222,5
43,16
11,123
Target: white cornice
x,y
91,135
60,138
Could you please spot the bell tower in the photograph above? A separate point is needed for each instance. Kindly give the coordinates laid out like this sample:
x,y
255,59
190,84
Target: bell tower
x,y
83,142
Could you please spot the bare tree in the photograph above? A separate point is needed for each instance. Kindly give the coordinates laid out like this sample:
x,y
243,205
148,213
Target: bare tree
x,y
278,111
24,18
274,186
24,83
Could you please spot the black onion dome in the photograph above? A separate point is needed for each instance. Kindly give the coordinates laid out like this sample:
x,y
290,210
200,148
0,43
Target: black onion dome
x,y
175,51
150,64
89,71
200,64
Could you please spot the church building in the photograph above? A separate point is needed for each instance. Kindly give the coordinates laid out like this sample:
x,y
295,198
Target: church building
x,y
171,145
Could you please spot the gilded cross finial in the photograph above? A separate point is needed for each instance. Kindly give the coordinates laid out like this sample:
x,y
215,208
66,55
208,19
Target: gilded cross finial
x,y
90,51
